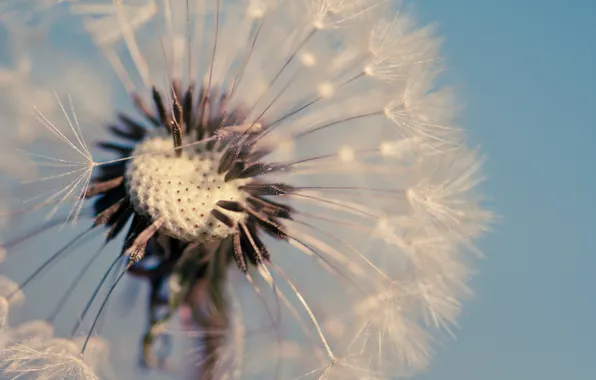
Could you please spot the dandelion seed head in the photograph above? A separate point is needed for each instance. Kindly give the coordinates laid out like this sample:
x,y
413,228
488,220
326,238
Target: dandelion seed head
x,y
36,329
442,194
11,290
183,190
287,175
97,355
387,336
52,359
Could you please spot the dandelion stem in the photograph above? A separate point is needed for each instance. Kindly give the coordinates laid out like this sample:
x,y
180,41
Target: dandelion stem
x,y
49,261
306,308
101,308
95,292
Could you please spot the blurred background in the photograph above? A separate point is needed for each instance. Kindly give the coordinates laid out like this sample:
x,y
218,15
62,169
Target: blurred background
x,y
526,74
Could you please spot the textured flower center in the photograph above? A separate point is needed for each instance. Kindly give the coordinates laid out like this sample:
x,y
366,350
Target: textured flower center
x,y
182,191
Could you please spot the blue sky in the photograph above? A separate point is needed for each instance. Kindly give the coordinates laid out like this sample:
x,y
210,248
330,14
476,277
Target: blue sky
x,y
526,73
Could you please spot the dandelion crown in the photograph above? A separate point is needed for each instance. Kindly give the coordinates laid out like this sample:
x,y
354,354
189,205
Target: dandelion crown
x,y
288,181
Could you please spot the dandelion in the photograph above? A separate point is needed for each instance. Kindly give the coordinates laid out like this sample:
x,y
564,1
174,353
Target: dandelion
x,y
31,349
47,360
277,173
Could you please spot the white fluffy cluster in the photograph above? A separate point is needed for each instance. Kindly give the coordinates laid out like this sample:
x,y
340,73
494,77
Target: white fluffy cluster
x,y
387,214
31,351
183,190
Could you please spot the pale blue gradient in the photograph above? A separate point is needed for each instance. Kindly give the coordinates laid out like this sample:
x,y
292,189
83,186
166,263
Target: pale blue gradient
x,y
526,72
